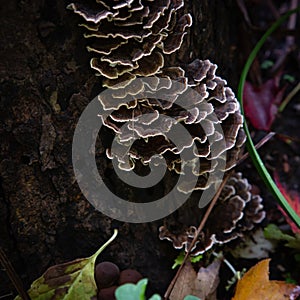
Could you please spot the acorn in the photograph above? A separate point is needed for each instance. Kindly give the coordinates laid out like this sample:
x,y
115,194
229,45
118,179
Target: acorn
x,y
107,293
129,276
106,274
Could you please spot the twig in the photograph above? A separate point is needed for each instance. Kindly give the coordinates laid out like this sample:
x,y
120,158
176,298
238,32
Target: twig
x,y
244,11
13,276
6,295
287,138
288,98
200,228
273,9
257,146
290,39
265,140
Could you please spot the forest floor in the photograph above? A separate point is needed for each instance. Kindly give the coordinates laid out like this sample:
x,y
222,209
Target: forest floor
x,y
26,55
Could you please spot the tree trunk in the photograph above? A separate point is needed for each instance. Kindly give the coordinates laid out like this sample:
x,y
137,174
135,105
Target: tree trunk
x,y
46,83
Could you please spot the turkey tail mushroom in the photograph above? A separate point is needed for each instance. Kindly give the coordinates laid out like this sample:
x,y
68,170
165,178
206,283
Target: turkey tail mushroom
x,y
130,38
215,104
236,212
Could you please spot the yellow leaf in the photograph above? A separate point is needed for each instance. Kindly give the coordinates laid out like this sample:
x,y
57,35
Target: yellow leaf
x,y
255,285
68,281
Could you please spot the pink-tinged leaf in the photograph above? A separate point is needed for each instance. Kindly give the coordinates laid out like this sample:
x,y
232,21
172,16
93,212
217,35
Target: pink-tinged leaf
x,y
292,198
261,102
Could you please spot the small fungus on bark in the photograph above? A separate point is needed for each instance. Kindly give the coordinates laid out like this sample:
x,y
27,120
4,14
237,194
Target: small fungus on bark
x,y
236,212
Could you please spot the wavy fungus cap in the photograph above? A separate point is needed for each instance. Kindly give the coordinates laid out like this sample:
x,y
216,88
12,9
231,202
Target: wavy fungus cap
x,y
215,104
129,38
236,211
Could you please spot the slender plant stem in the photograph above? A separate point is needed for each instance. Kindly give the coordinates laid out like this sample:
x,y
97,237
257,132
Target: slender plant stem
x,y
229,265
250,146
6,296
257,146
289,97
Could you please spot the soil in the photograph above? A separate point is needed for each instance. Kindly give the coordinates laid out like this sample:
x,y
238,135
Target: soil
x,y
46,82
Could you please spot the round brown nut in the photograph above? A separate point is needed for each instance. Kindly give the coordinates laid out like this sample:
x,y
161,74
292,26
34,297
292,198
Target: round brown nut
x,y
106,274
129,276
107,293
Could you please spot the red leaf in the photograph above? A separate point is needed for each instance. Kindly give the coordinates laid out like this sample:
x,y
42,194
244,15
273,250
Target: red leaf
x,y
292,198
261,102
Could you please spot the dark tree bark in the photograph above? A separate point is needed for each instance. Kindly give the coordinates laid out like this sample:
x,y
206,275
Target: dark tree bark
x,y
46,82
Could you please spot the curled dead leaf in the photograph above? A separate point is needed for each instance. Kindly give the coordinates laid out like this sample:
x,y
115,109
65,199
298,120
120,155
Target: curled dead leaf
x,y
185,284
209,280
255,285
202,285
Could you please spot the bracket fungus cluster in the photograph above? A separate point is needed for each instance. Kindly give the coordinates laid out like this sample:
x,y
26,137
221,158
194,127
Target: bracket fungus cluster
x,y
236,212
197,99
129,38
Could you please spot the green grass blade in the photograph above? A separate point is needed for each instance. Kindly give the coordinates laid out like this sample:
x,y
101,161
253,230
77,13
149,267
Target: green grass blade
x,y
263,172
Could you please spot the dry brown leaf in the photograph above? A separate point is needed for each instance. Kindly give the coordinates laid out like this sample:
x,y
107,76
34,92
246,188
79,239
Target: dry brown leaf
x,y
255,285
202,285
209,280
185,284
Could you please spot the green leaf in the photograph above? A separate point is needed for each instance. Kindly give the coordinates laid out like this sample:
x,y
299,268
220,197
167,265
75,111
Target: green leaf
x,y
195,259
180,258
68,281
155,297
274,233
267,64
130,291
289,78
294,244
190,297
289,279
297,257
258,163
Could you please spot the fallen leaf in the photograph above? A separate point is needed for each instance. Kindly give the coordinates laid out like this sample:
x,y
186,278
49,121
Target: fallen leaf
x,y
255,285
209,280
185,284
68,281
274,233
261,102
202,285
292,198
